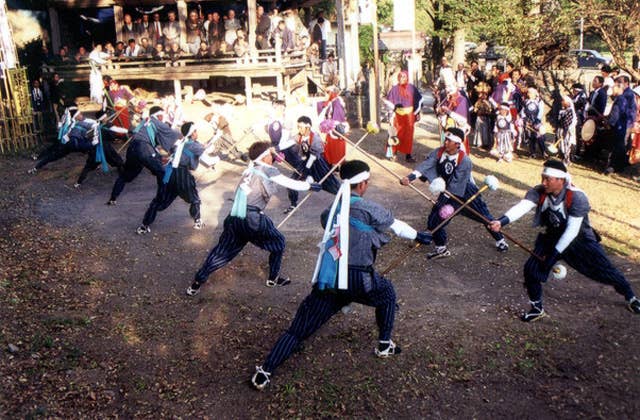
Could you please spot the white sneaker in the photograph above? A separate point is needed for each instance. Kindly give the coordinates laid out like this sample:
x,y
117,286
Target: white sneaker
x,y
386,349
260,379
199,224
32,171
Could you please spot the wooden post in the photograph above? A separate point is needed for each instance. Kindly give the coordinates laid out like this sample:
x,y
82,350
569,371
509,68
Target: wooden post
x,y
374,80
340,44
247,90
55,30
253,24
280,86
177,91
118,18
182,18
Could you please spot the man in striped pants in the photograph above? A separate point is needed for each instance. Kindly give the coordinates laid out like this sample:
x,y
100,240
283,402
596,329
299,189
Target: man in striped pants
x,y
368,221
247,222
564,211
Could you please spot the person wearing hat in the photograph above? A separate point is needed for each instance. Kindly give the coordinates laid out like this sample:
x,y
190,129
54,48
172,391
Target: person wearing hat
x,y
563,210
247,222
532,117
408,106
74,136
305,152
345,270
452,165
143,152
178,180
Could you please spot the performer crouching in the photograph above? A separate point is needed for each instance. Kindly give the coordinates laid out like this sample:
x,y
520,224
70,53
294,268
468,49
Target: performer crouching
x,y
143,150
247,223
178,180
453,166
354,231
564,211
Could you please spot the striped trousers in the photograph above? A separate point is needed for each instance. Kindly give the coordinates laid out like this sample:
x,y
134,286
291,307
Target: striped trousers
x,y
256,228
585,255
318,307
181,184
434,219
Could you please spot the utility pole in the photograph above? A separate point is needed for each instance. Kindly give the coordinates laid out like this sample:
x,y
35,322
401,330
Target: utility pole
x,y
581,33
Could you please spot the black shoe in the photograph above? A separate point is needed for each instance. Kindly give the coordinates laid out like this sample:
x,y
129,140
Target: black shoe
x,y
634,305
279,281
502,246
410,159
289,209
111,202
439,252
386,349
194,289
260,379
142,230
535,313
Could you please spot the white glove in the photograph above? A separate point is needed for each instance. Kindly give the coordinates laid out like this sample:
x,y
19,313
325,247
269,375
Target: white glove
x,y
310,179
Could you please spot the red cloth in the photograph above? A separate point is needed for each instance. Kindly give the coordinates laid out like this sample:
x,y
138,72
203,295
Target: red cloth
x,y
334,149
404,124
122,120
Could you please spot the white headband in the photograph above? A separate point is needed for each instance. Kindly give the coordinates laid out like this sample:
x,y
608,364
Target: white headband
x,y
356,179
191,130
262,155
453,138
506,107
555,173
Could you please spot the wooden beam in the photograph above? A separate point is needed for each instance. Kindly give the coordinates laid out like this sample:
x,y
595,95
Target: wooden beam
x,y
118,18
340,44
182,18
253,24
55,30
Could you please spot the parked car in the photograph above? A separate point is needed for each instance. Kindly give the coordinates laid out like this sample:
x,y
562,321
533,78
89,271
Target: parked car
x,y
590,58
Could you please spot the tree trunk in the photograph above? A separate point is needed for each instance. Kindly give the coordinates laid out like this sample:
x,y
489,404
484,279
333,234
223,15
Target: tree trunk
x,y
458,47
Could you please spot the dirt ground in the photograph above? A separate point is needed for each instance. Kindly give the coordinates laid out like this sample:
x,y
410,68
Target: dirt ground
x,y
94,321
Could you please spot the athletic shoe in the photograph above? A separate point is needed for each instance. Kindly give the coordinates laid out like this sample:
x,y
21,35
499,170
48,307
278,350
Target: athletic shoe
x,y
142,229
194,289
32,171
634,305
280,281
502,245
199,224
76,185
289,209
386,349
439,252
260,379
111,203
535,313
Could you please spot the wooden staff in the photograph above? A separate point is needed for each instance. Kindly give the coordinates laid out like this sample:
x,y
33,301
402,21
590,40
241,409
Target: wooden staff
x,y
324,178
506,235
403,257
380,164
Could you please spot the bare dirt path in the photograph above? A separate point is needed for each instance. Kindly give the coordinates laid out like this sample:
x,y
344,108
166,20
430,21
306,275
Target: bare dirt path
x,y
99,325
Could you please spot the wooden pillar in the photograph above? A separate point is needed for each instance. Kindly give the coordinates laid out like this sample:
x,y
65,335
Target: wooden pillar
x,y
247,90
177,91
374,74
118,18
253,24
56,43
342,57
182,18
280,86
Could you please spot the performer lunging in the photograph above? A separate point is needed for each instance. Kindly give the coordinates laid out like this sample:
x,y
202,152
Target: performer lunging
x,y
305,153
564,211
451,163
247,223
178,180
143,152
354,231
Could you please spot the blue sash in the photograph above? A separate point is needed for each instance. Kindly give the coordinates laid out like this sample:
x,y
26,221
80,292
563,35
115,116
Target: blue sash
x,y
100,156
239,208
